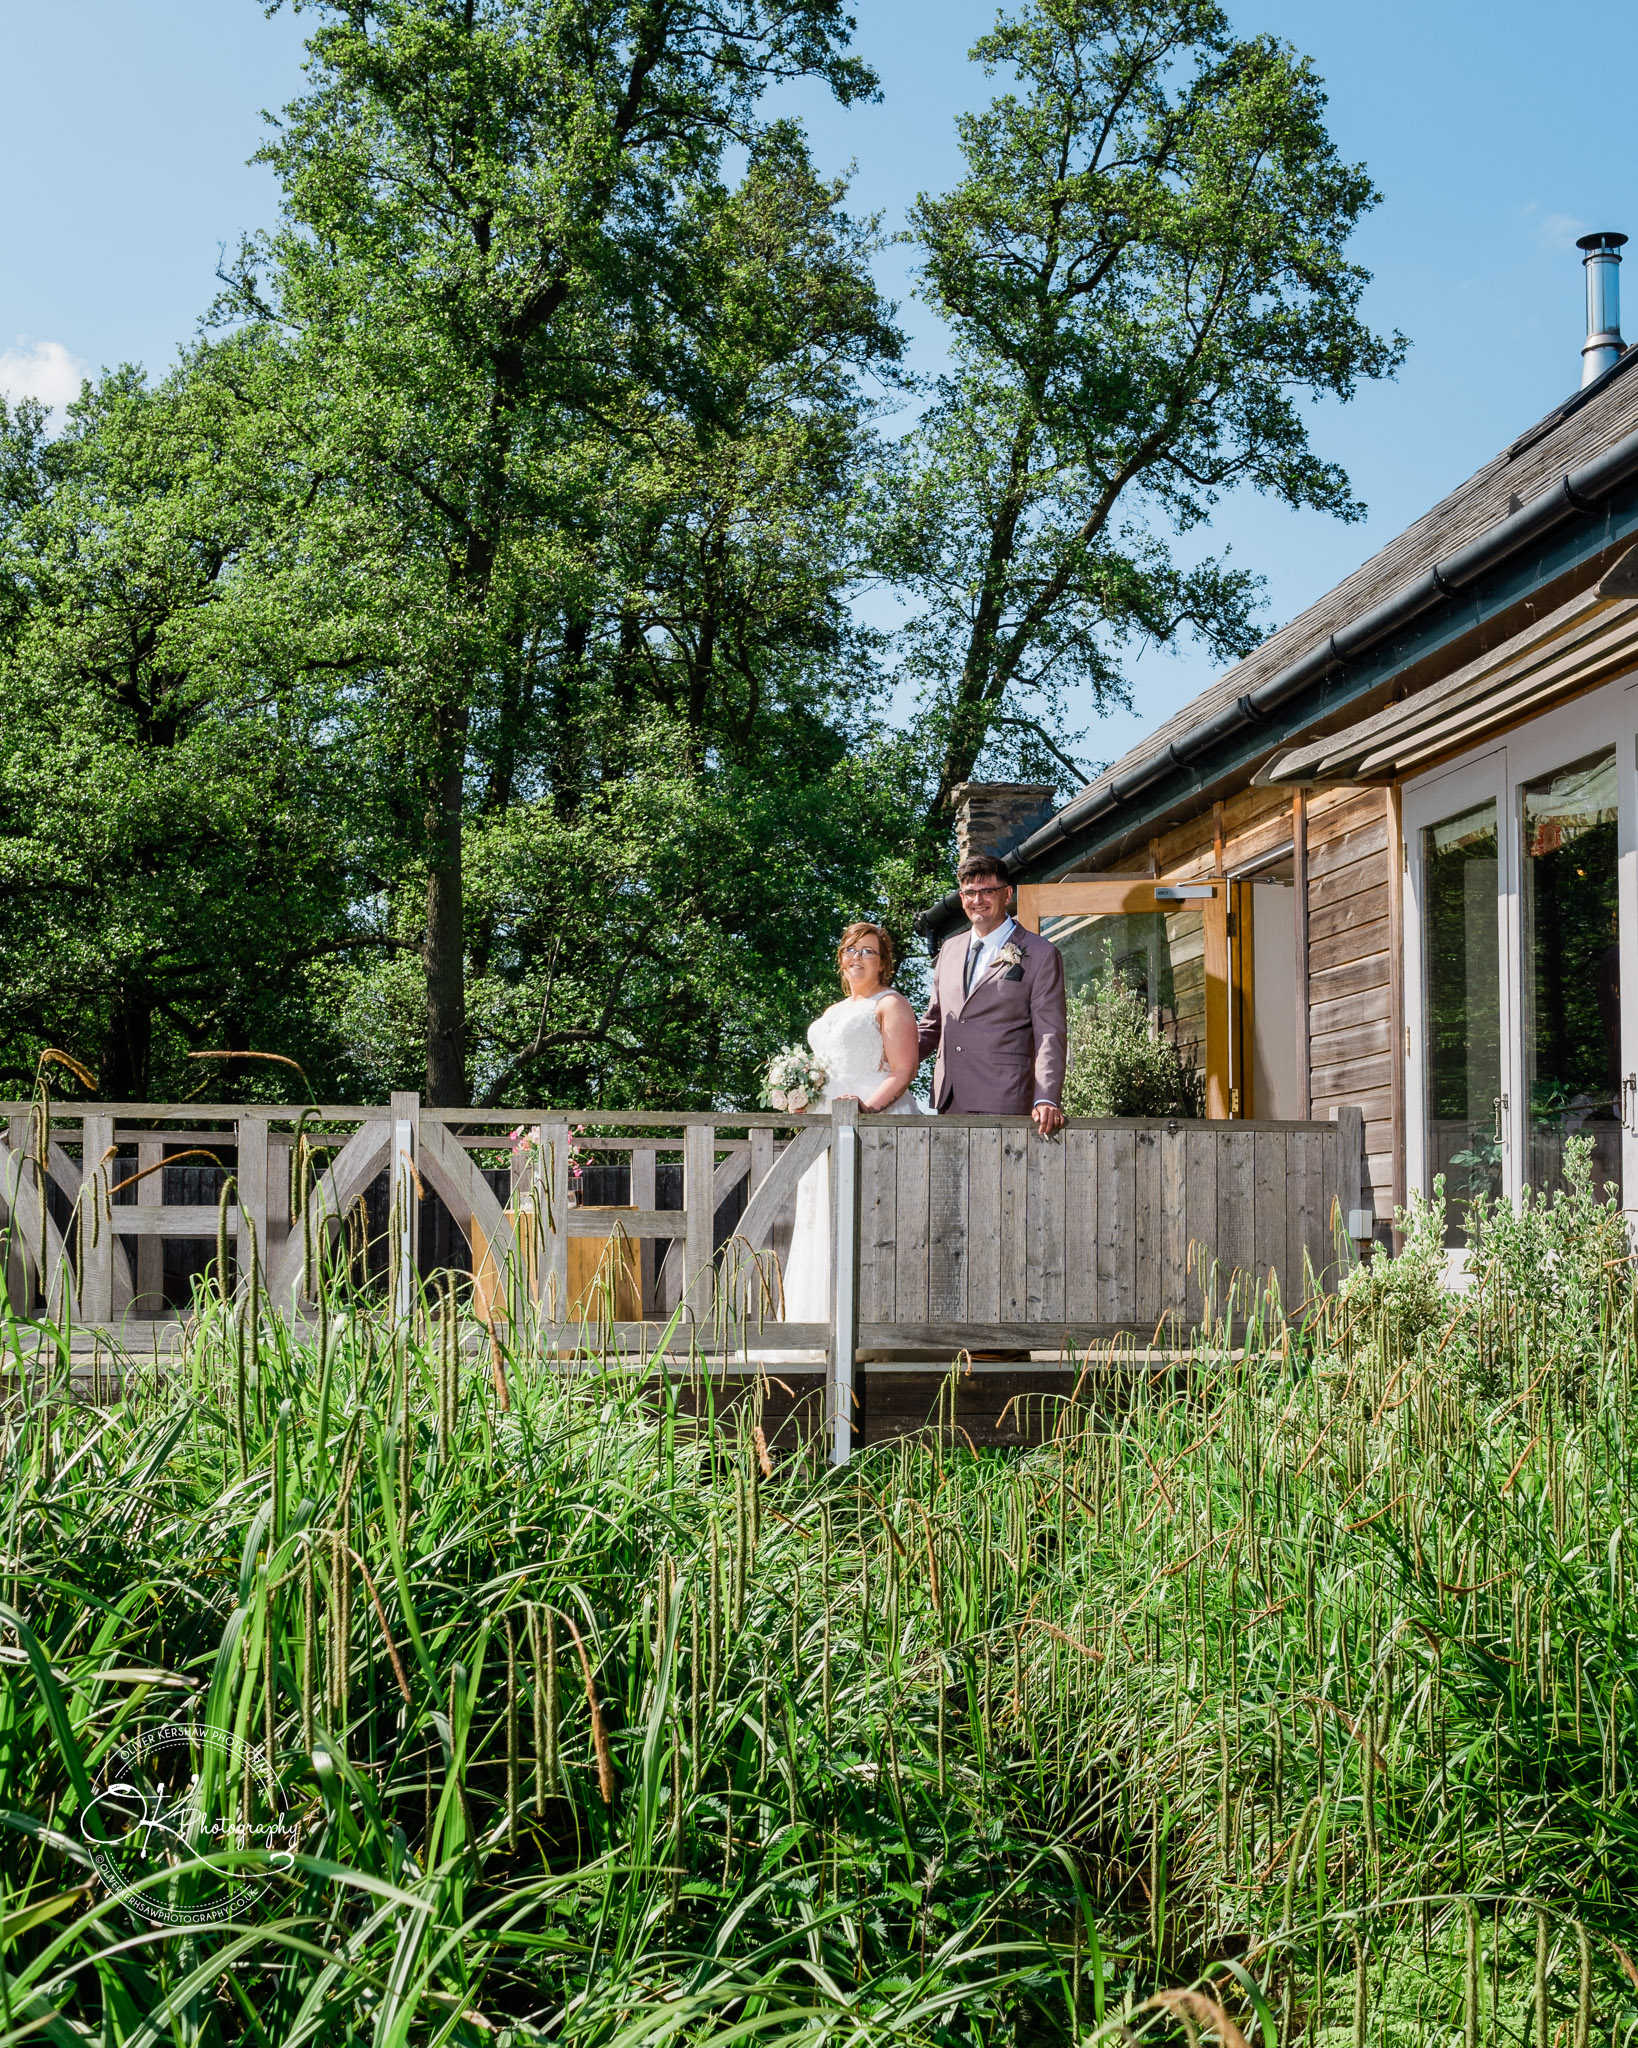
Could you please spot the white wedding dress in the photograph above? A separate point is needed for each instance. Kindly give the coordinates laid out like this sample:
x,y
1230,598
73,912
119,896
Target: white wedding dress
x,y
847,1042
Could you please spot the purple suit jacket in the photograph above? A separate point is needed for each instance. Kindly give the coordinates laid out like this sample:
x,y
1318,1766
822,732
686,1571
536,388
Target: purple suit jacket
x,y
1000,1049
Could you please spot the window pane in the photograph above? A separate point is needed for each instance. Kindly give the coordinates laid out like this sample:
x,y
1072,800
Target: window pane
x,y
1572,980
1160,954
1462,976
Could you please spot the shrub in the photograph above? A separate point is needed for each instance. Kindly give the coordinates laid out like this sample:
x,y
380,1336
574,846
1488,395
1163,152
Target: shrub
x,y
1406,1291
1119,1065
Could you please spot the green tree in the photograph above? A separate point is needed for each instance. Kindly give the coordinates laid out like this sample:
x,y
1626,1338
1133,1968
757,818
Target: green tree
x,y
185,833
483,202
1143,272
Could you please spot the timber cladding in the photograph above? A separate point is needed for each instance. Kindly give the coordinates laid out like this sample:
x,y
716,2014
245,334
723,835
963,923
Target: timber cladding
x,y
1351,970
1348,882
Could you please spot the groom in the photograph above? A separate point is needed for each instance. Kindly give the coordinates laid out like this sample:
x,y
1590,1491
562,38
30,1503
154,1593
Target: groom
x,y
996,1019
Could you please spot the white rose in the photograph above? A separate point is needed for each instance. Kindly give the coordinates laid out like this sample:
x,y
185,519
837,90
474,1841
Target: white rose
x,y
797,1099
777,1097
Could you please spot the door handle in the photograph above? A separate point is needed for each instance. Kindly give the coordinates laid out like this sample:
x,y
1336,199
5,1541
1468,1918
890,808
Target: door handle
x,y
1629,1089
1499,1104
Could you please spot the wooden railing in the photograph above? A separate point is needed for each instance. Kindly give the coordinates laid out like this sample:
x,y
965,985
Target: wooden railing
x,y
949,1233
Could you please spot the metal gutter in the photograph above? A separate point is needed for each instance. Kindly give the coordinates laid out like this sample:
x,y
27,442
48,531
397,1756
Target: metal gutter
x,y
1577,494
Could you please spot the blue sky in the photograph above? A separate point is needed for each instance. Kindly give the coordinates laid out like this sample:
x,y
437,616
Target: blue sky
x,y
1496,132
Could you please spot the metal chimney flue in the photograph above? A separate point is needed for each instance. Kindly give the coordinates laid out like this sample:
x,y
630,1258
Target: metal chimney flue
x,y
1603,346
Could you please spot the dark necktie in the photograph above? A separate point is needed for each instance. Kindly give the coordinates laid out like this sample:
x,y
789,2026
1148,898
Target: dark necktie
x,y
974,954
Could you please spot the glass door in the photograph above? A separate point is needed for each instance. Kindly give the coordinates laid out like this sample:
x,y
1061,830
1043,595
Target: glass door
x,y
1571,959
1458,1095
1575,926
1522,901
1166,941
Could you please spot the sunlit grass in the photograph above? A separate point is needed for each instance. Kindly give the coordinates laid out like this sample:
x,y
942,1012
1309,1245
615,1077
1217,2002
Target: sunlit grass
x,y
1305,1675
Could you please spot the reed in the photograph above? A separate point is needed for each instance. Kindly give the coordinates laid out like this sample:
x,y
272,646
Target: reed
x,y
1302,1681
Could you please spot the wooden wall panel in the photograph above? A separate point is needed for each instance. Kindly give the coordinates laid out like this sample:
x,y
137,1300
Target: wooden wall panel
x,y
1352,971
1348,903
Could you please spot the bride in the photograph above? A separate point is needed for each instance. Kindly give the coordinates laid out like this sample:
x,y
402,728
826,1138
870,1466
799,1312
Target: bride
x,y
867,1046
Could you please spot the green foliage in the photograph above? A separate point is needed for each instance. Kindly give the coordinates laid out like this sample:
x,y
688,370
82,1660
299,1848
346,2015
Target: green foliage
x,y
1312,1657
1405,1294
1143,270
648,949
185,827
1118,1064
449,677
561,364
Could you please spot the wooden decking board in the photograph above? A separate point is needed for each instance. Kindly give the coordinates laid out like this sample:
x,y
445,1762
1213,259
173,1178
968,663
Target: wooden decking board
x,y
1117,1294
1174,1216
913,1144
947,1224
1014,1225
1270,1171
878,1226
1148,1271
1044,1267
1200,1197
984,1225
1081,1222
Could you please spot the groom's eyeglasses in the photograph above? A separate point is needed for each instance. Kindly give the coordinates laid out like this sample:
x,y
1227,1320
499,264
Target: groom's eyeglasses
x,y
985,888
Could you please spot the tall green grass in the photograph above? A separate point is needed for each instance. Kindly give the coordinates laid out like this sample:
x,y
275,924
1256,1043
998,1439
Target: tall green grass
x,y
1290,1690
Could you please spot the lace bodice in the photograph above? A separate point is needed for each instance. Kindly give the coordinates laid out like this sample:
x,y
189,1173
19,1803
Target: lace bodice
x,y
847,1042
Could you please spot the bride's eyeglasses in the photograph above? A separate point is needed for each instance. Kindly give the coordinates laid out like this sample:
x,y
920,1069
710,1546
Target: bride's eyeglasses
x,y
860,953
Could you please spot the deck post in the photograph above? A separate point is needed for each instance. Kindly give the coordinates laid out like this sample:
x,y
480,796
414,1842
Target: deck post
x,y
844,1331
149,1277
405,1206
1349,1119
552,1139
251,1176
20,1274
699,1226
96,1245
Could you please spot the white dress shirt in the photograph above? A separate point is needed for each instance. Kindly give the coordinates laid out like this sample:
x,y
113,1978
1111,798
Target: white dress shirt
x,y
986,949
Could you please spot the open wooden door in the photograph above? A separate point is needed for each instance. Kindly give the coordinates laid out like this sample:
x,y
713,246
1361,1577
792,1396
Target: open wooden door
x,y
1167,940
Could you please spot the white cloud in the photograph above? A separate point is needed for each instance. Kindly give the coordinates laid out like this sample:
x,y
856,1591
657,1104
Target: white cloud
x,y
1558,230
40,369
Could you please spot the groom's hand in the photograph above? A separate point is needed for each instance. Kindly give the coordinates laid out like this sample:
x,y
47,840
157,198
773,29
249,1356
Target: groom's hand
x,y
1049,1119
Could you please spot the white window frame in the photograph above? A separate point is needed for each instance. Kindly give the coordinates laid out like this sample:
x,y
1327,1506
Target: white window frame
x,y
1480,778
1603,719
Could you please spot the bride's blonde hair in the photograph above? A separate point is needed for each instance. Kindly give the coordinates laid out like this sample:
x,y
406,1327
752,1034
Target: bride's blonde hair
x,y
852,936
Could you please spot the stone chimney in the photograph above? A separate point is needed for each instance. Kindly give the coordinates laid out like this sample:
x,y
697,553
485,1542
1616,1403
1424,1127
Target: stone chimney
x,y
992,817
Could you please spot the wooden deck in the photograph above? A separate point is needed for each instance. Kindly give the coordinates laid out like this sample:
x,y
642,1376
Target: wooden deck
x,y
956,1234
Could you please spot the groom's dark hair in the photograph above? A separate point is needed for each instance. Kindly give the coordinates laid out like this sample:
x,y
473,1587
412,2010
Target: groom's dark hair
x,y
977,864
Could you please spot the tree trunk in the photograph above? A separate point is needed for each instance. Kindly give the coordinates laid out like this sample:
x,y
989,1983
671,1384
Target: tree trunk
x,y
127,1060
444,956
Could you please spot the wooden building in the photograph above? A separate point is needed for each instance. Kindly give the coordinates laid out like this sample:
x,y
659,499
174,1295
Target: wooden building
x,y
1391,859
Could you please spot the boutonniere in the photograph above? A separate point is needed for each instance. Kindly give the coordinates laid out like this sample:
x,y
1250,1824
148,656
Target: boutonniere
x,y
1012,953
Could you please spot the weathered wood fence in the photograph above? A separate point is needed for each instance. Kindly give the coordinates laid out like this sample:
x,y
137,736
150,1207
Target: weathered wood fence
x,y
950,1233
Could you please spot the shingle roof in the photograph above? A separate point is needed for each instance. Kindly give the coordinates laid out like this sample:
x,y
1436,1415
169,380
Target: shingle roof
x,y
1572,433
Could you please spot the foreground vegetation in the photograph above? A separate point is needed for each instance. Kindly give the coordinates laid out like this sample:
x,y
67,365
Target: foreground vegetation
x,y
1296,1688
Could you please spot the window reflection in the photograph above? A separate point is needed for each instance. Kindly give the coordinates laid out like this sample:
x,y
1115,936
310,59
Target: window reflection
x,y
1160,955
1572,981
1462,977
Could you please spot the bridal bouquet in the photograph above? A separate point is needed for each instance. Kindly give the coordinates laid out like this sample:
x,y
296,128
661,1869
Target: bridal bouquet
x,y
794,1079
